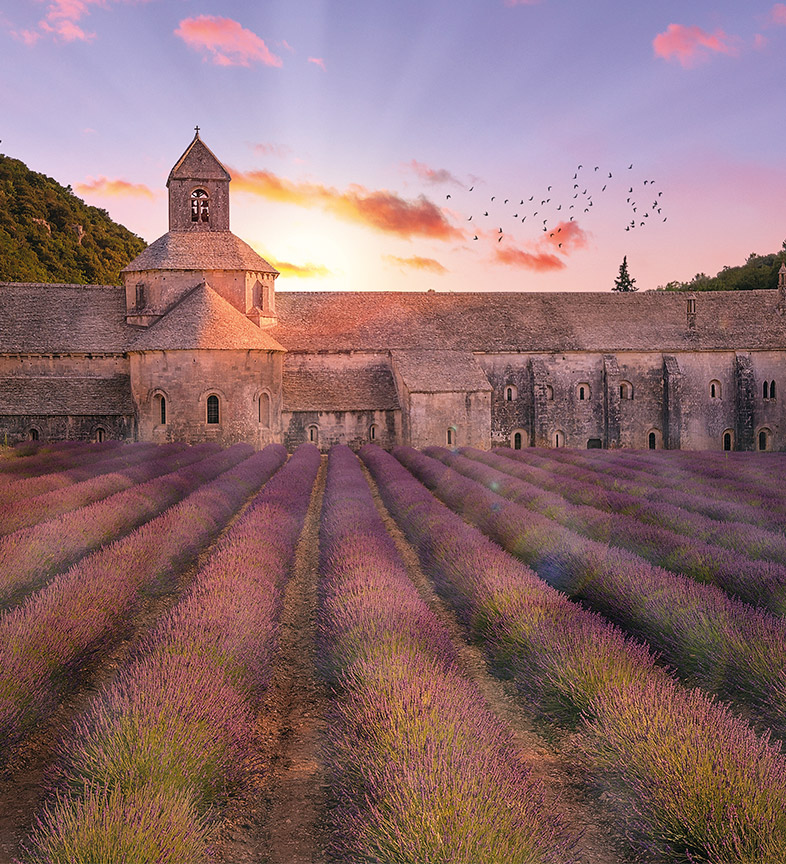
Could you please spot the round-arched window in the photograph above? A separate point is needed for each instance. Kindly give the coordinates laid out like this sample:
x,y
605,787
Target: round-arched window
x,y
200,206
213,412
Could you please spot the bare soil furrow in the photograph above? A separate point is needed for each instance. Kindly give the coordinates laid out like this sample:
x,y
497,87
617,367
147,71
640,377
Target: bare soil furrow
x,y
279,819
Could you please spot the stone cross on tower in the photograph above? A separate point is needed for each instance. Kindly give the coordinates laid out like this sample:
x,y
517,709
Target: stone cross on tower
x,y
198,190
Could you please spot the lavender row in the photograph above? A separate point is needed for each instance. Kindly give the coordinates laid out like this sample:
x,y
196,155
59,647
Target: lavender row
x,y
582,486
727,647
689,781
161,748
20,490
744,504
762,583
109,479
50,459
42,641
29,556
423,771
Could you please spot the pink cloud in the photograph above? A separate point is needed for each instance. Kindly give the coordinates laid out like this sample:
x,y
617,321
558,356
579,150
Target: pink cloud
x,y
565,237
103,187
691,45
225,41
432,175
317,61
541,262
778,14
60,21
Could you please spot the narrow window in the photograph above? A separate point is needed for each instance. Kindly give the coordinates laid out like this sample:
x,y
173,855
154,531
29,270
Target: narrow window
x,y
517,441
727,440
766,390
508,394
372,432
200,206
264,409
140,295
162,411
763,439
212,409
715,390
691,306
772,389
652,441
451,438
100,434
549,393
581,394
313,434
559,439
623,391
33,435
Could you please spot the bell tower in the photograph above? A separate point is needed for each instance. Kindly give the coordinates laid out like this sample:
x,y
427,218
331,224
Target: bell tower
x,y
198,191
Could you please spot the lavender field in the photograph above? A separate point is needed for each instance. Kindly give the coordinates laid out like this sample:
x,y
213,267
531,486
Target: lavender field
x,y
535,657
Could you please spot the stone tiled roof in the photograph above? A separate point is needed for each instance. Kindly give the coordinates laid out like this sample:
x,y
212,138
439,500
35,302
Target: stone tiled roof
x,y
62,319
203,319
495,321
63,395
199,250
440,371
199,163
321,389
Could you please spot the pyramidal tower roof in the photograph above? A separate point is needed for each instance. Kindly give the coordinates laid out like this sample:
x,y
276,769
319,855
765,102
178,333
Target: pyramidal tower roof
x,y
198,163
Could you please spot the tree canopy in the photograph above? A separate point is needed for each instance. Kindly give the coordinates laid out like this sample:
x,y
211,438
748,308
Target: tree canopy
x,y
758,272
47,234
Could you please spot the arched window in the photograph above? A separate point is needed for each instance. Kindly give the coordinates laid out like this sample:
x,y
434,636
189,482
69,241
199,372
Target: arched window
x,y
264,409
451,436
213,415
517,441
510,393
200,206
160,408
626,390
100,434
728,440
549,393
559,439
372,432
583,391
715,390
766,389
764,439
772,389
313,434
32,435
652,441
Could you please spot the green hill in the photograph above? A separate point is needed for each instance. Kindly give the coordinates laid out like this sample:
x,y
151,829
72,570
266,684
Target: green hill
x,y
47,234
758,272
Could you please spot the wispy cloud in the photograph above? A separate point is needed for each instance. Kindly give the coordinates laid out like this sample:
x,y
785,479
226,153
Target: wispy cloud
x,y
318,61
378,209
103,187
416,262
432,175
61,19
692,45
225,42
300,271
541,262
565,237
778,14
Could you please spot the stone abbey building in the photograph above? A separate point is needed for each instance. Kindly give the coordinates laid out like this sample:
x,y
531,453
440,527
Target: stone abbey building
x,y
197,345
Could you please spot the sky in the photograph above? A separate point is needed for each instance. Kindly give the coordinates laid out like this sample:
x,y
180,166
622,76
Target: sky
x,y
447,145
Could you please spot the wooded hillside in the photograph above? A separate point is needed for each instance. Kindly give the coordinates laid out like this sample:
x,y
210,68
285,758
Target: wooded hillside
x,y
47,234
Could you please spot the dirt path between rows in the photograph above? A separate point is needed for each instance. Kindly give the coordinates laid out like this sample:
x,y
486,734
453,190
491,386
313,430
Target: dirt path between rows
x,y
279,819
559,772
26,775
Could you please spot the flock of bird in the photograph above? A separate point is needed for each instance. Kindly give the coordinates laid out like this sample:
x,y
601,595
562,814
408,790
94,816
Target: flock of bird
x,y
549,208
